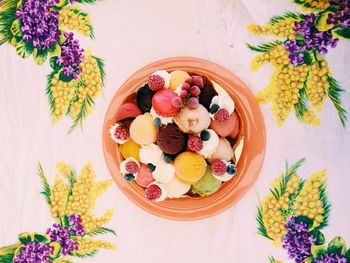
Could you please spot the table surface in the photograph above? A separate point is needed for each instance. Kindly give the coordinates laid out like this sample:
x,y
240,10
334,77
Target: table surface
x,y
130,34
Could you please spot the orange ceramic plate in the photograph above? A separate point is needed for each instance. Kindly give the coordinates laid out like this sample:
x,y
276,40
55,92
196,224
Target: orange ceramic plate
x,y
249,164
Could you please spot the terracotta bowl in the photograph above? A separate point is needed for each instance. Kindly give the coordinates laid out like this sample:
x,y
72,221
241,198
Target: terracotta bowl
x,y
248,166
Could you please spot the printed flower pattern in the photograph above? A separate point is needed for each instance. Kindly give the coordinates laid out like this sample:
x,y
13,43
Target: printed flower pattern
x,y
302,80
37,28
293,214
71,200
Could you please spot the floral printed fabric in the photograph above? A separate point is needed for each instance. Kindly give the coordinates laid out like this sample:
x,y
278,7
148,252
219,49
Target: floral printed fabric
x,y
128,35
302,79
71,200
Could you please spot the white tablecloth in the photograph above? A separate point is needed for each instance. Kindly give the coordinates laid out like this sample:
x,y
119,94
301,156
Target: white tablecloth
x,y
130,34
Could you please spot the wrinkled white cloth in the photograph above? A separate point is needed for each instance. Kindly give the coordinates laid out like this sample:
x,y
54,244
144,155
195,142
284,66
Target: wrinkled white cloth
x,y
129,35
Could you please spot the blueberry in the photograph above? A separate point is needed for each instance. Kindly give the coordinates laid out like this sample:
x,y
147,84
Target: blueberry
x,y
167,158
214,108
205,135
129,177
231,169
151,167
157,122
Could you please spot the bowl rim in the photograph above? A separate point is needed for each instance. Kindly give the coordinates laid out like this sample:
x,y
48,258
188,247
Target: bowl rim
x,y
249,165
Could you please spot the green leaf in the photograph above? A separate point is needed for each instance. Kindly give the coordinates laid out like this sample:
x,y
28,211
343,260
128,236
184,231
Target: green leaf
x,y
41,238
20,3
325,205
57,249
9,4
53,64
85,255
320,239
40,56
318,250
72,179
16,28
321,22
342,33
61,4
65,78
14,41
347,255
277,19
100,65
24,50
309,260
46,192
308,60
100,231
301,107
265,47
334,93
88,1
24,238
55,50
261,226
82,114
8,258
337,246
307,220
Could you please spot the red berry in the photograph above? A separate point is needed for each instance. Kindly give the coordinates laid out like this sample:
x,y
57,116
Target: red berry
x,y
218,167
198,80
153,192
189,81
155,82
221,116
176,102
195,91
194,143
186,86
122,133
183,93
193,102
131,167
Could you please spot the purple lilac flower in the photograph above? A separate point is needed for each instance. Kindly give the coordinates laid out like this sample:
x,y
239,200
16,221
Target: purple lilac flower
x,y
298,241
34,252
331,258
39,23
312,39
71,57
342,16
63,235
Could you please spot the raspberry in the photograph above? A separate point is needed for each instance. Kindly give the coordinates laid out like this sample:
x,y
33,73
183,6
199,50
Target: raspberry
x,y
194,143
155,82
122,133
221,116
131,167
218,167
153,192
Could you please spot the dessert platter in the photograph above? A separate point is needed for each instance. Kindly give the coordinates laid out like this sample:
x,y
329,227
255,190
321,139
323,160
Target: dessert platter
x,y
183,138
